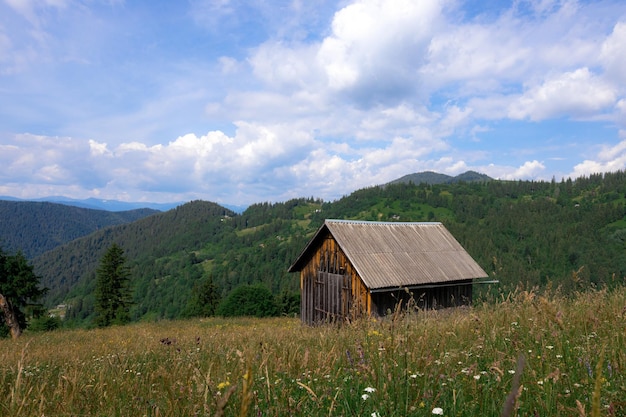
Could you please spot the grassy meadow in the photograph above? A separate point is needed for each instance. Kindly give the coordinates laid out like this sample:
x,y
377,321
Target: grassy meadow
x,y
525,355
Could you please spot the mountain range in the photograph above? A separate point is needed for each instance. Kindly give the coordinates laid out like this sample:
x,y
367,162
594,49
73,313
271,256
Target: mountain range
x,y
99,204
570,235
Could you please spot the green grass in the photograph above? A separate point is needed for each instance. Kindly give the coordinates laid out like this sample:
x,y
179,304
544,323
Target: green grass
x,y
465,361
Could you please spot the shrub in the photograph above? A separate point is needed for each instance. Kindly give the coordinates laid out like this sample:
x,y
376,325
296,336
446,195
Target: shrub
x,y
44,324
249,300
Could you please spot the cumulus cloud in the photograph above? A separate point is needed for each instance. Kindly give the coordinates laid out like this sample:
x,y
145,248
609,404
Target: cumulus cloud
x,y
47,160
354,96
189,164
375,49
528,170
613,55
285,67
477,51
608,159
577,94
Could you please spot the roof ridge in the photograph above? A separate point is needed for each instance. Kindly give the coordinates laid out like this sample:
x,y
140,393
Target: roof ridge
x,y
378,222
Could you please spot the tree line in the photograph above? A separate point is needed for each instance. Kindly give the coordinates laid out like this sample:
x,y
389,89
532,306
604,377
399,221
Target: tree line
x,y
569,234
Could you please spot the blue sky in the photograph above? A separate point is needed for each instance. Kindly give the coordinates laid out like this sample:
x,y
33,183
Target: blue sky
x,y
249,101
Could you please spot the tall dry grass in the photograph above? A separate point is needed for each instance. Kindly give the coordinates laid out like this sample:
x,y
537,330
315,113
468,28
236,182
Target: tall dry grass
x,y
525,355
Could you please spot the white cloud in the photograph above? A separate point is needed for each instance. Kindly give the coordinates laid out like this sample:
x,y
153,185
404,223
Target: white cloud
x,y
528,170
375,48
608,159
576,94
189,164
613,55
379,89
477,51
285,66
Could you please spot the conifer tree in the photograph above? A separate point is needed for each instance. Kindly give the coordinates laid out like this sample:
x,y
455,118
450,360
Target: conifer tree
x,y
204,300
19,288
112,289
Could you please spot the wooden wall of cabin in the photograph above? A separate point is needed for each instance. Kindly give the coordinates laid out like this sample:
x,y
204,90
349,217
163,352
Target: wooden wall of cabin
x,y
331,289
423,298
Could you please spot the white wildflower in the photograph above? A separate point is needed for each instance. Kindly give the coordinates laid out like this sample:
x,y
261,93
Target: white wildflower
x,y
438,411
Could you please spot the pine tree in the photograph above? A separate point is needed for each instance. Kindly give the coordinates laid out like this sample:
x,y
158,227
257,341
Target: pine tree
x,y
112,289
19,288
204,300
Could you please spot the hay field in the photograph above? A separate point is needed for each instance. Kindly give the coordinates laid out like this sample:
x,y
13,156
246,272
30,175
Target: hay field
x,y
523,355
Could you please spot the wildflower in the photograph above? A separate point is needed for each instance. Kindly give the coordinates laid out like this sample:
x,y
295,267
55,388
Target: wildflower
x,y
375,414
223,385
365,397
370,389
438,411
589,370
476,377
512,371
349,357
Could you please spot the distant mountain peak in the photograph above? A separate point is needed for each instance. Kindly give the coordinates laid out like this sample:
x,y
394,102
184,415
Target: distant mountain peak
x,y
431,177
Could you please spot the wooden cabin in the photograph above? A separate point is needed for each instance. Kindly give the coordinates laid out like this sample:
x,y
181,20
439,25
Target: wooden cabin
x,y
353,268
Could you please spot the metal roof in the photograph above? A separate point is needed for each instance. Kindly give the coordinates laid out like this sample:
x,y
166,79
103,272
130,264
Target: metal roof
x,y
396,254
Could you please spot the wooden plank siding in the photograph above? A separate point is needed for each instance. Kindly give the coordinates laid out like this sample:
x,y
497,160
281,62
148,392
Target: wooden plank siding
x,y
424,298
331,288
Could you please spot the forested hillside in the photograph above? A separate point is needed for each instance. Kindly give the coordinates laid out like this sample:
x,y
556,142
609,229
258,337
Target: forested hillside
x,y
568,234
160,250
434,178
37,227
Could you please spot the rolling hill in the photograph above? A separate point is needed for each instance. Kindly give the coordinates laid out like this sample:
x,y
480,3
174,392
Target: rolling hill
x,y
36,227
432,178
145,242
568,234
